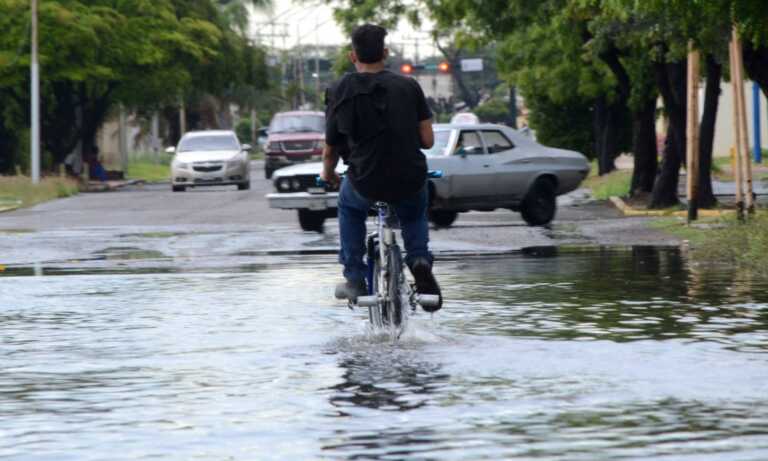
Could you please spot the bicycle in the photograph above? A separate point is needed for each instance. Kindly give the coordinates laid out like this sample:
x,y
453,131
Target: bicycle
x,y
388,290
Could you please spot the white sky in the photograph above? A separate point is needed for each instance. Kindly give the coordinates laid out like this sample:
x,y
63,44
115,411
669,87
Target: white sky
x,y
312,22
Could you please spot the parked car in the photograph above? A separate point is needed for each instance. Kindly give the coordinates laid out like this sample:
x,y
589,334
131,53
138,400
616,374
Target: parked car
x,y
484,167
210,158
294,137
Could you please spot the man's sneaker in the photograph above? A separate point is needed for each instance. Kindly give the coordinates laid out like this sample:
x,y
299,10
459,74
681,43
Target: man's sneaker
x,y
425,282
351,290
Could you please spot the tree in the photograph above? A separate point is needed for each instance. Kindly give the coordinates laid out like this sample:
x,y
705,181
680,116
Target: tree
x,y
98,54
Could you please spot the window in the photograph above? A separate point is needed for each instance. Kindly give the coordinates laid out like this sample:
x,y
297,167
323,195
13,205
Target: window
x,y
441,142
469,143
496,141
208,143
297,124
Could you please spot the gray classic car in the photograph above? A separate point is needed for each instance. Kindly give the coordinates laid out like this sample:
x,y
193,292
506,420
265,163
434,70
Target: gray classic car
x,y
484,167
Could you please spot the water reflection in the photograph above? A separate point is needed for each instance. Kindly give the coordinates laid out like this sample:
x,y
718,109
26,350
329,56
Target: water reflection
x,y
387,377
641,294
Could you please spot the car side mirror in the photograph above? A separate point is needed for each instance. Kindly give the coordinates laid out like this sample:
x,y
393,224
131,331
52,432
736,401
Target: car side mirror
x,y
246,147
461,152
170,150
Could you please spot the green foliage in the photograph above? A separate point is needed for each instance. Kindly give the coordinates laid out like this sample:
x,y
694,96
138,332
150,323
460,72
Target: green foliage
x,y
493,111
96,54
20,190
614,184
564,123
243,131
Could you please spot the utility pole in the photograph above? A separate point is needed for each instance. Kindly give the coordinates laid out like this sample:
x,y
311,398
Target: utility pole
x,y
743,134
301,67
276,30
35,109
317,67
756,120
692,135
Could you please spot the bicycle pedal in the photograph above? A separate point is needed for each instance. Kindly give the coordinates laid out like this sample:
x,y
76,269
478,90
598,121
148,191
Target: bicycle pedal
x,y
368,301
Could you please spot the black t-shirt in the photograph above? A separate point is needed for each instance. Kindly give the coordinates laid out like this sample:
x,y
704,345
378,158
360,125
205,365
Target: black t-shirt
x,y
377,117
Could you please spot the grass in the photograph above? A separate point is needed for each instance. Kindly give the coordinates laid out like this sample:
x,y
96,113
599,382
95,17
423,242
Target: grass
x,y
19,190
149,167
724,240
615,183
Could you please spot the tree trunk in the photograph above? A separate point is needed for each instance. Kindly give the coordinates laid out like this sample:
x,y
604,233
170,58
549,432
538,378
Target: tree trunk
x,y
607,121
707,132
671,80
644,148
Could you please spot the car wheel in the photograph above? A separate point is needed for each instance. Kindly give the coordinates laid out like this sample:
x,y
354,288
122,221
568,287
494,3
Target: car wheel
x,y
540,203
178,188
244,185
311,220
442,218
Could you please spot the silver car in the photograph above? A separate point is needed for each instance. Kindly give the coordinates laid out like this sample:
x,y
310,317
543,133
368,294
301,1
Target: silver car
x,y
210,158
485,167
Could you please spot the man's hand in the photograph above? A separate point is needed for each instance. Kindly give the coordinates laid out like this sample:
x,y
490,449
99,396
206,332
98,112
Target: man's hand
x,y
330,160
330,177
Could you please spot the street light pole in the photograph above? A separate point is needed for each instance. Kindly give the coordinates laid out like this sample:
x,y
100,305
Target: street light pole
x,y
35,109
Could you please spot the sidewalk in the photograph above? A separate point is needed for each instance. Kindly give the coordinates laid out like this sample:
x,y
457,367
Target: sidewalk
x,y
106,186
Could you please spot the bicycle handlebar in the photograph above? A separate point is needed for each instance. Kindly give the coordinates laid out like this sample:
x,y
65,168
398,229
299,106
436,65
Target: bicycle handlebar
x,y
432,174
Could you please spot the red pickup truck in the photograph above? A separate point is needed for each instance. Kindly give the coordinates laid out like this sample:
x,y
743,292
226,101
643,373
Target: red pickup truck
x,y
294,137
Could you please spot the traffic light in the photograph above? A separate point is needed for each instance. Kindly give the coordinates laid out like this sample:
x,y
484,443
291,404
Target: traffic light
x,y
406,68
444,67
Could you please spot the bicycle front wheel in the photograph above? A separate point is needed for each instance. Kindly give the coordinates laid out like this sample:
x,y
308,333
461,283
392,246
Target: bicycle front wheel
x,y
393,307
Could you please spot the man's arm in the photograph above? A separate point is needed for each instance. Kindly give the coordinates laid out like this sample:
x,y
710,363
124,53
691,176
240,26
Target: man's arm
x,y
330,160
426,135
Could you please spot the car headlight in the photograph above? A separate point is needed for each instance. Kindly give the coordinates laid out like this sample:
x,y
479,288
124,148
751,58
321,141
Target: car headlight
x,y
320,144
274,147
283,184
182,165
234,163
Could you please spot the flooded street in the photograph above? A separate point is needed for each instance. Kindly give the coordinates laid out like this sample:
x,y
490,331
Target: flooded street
x,y
569,354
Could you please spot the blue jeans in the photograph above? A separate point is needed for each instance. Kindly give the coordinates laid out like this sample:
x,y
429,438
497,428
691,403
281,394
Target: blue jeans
x,y
353,211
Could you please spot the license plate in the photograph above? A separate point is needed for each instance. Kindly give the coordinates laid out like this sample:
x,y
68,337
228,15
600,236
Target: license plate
x,y
316,190
316,206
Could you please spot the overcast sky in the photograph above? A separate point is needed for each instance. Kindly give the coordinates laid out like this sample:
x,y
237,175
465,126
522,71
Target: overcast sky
x,y
312,22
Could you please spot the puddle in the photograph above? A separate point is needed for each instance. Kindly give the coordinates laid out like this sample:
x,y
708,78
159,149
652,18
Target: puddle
x,y
548,353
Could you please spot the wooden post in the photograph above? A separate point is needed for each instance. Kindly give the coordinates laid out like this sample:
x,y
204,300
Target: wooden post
x,y
692,134
743,133
736,124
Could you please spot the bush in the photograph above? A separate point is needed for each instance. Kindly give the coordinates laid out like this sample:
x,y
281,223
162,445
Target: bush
x,y
567,125
493,111
243,131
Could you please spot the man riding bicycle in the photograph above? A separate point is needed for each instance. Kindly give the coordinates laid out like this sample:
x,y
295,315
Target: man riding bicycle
x,y
378,121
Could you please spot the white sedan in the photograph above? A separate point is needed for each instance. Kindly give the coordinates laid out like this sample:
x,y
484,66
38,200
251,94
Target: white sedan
x,y
484,167
210,158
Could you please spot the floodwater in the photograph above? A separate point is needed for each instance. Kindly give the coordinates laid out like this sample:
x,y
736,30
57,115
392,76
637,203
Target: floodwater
x,y
600,354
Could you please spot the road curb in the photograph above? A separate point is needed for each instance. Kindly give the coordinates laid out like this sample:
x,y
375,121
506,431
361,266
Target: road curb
x,y
3,209
629,211
107,186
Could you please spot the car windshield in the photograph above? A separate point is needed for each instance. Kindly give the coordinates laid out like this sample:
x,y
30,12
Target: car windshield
x,y
212,142
441,142
298,124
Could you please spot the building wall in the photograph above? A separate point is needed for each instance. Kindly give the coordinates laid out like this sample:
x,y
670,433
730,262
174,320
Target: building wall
x,y
724,132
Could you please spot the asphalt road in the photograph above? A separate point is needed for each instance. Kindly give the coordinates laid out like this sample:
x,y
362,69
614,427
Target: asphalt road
x,y
219,223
